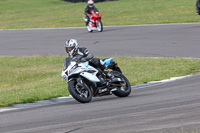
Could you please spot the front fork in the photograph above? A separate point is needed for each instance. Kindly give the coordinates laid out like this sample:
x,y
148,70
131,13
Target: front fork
x,y
81,82
96,21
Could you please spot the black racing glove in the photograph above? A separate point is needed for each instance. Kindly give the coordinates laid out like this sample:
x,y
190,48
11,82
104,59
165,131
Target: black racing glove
x,y
83,60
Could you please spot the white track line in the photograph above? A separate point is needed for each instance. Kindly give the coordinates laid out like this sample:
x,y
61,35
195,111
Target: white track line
x,y
64,28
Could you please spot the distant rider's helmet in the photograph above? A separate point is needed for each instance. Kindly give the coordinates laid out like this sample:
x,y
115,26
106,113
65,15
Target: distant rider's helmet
x,y
71,47
90,3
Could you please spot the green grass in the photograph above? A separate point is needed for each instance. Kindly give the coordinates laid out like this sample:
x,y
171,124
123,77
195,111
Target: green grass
x,y
29,79
17,14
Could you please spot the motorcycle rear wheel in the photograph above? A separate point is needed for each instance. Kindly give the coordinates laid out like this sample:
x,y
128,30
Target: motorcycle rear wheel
x,y
81,94
125,89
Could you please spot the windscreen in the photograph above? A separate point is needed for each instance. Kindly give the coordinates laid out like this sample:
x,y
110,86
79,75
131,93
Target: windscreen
x,y
67,61
95,10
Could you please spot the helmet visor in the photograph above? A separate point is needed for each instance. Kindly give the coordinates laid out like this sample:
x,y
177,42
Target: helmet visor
x,y
69,49
90,5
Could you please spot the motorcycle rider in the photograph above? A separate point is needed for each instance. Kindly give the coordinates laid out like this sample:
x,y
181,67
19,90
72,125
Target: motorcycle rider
x,y
82,54
88,10
198,7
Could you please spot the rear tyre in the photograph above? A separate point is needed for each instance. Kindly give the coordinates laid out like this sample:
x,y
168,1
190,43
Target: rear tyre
x,y
125,89
80,93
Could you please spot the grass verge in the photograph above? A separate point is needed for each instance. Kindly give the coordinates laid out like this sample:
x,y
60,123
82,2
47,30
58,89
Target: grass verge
x,y
17,14
29,79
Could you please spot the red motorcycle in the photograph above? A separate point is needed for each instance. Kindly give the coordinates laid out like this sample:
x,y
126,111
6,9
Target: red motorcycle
x,y
95,21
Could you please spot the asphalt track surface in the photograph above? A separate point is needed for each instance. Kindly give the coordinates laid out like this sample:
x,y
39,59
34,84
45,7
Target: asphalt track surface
x,y
175,40
170,107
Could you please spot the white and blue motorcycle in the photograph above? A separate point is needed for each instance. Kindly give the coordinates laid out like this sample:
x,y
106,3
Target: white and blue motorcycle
x,y
83,82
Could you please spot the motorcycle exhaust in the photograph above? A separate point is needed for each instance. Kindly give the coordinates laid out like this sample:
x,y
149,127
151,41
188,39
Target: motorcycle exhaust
x,y
117,82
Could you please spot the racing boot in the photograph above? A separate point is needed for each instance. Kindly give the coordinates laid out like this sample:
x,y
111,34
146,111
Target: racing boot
x,y
86,20
86,23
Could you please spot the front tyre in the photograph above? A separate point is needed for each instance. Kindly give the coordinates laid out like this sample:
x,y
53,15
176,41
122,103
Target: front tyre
x,y
99,26
80,93
125,88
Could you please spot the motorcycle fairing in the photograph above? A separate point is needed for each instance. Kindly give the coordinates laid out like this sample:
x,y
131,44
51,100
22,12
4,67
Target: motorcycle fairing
x,y
90,76
85,71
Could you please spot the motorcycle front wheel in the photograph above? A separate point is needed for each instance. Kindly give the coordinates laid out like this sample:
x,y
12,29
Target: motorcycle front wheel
x,y
80,93
99,26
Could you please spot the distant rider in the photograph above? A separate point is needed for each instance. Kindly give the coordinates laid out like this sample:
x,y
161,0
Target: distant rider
x,y
88,10
198,7
83,55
